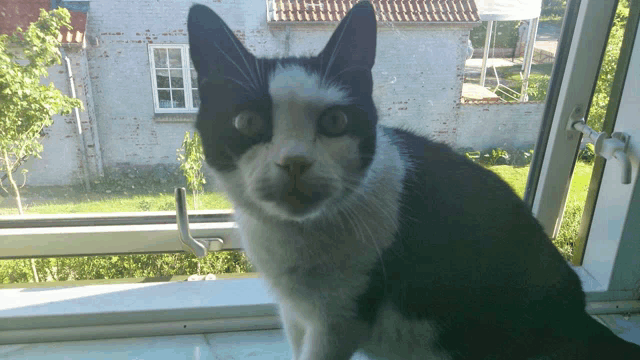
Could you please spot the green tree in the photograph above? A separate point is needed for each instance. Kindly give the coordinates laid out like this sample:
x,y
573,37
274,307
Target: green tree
x,y
553,8
27,106
607,71
191,158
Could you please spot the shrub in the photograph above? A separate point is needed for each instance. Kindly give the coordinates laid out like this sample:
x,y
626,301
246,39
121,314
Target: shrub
x,y
536,91
588,154
499,156
506,35
553,8
600,99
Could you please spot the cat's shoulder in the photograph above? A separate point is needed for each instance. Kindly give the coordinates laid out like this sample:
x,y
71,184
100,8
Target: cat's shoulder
x,y
436,167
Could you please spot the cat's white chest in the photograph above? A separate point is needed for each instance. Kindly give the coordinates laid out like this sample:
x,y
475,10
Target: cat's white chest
x,y
305,265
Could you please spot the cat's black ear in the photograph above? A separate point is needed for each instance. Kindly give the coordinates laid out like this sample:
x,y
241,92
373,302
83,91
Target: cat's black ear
x,y
353,43
214,49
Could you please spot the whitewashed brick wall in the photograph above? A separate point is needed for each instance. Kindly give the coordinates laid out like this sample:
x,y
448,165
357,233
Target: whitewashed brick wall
x,y
62,161
418,79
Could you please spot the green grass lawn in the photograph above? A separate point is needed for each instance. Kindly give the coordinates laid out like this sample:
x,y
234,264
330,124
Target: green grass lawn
x,y
565,241
153,265
96,203
121,203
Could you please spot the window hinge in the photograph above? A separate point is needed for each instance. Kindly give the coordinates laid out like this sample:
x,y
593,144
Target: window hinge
x,y
200,246
614,146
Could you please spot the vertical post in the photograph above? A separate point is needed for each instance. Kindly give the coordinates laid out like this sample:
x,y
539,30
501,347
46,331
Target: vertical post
x,y
76,112
529,58
485,55
526,46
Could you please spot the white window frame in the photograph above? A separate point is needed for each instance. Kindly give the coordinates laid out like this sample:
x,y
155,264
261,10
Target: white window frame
x,y
560,152
68,313
186,76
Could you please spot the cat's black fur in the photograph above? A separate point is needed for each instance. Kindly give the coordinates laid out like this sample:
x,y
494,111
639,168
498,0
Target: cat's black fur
x,y
498,286
466,259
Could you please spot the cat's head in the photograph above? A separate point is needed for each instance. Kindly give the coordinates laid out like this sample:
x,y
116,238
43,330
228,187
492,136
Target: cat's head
x,y
286,137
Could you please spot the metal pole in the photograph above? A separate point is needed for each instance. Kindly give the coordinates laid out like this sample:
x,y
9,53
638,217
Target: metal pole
x,y
529,59
76,112
485,55
526,45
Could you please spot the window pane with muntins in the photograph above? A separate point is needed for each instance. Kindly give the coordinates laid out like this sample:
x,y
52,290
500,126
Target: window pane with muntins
x,y
162,79
176,79
160,58
175,58
164,98
178,98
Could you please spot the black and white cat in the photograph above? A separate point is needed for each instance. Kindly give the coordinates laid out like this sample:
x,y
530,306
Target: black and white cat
x,y
372,238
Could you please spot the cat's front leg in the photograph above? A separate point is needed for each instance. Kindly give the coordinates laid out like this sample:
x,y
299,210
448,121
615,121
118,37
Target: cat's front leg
x,y
335,341
294,330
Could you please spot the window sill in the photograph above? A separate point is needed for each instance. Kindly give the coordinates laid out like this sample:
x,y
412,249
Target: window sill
x,y
102,234
176,117
135,310
601,301
90,312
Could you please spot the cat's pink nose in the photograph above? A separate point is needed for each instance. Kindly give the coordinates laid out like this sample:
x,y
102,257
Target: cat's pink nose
x,y
295,165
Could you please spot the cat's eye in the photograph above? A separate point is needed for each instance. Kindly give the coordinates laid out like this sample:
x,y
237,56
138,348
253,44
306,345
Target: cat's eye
x,y
249,123
333,122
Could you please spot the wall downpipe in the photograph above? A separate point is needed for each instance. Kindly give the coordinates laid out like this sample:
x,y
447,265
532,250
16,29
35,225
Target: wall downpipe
x,y
76,114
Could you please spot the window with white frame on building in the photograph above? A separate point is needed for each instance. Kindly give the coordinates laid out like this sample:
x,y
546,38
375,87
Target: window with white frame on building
x,y
175,87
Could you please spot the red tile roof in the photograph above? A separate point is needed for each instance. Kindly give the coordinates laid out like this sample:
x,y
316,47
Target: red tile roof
x,y
79,25
14,13
432,11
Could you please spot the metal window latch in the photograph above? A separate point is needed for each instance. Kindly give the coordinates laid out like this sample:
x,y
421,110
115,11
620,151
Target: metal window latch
x,y
609,147
200,246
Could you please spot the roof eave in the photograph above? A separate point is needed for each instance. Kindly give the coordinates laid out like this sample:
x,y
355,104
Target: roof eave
x,y
462,23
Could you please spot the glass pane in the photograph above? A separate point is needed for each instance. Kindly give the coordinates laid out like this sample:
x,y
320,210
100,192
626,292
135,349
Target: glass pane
x,y
194,78
175,58
503,88
195,94
178,98
176,79
582,173
164,98
134,167
160,58
162,78
121,266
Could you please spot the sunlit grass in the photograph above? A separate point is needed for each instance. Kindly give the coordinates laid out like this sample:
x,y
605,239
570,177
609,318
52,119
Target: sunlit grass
x,y
516,177
123,203
568,233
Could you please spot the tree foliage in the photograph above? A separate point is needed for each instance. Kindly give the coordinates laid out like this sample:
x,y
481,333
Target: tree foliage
x,y
504,35
26,105
123,266
552,8
609,64
191,158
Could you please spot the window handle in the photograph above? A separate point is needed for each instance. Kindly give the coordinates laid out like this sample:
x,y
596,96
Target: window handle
x,y
200,246
609,147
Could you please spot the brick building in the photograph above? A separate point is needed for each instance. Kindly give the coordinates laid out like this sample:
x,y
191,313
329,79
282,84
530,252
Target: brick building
x,y
132,71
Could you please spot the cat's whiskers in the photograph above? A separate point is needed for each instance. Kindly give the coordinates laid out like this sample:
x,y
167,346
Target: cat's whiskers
x,y
369,200
238,49
334,53
258,71
358,219
236,65
358,204
233,157
348,69
249,90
